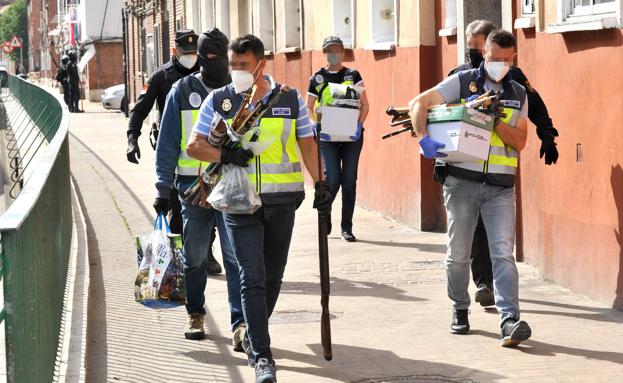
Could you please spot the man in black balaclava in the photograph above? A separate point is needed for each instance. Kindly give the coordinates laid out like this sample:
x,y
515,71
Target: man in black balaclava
x,y
63,78
175,168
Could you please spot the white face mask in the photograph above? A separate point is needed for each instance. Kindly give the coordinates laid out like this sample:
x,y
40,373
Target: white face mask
x,y
242,80
188,61
497,69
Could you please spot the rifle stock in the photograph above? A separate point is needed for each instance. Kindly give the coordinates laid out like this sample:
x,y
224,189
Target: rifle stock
x,y
325,287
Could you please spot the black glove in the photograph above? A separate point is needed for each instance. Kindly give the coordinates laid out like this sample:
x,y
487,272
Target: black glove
x,y
322,197
162,205
238,156
548,147
133,150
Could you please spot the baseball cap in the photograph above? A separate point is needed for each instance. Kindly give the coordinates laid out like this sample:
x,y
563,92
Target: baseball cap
x,y
186,40
332,40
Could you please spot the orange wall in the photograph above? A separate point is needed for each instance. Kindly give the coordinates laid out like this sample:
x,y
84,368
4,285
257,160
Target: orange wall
x,y
390,171
573,211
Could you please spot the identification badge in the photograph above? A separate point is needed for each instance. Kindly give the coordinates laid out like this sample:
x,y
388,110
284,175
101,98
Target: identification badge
x,y
319,79
226,105
511,103
194,100
473,87
281,111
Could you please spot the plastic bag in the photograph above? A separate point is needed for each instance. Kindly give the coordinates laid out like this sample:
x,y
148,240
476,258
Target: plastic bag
x,y
234,194
160,265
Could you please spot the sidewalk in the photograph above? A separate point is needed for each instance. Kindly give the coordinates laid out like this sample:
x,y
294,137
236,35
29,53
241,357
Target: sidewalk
x,y
388,297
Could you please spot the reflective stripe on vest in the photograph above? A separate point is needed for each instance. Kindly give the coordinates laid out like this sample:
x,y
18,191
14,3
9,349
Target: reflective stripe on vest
x,y
279,166
186,165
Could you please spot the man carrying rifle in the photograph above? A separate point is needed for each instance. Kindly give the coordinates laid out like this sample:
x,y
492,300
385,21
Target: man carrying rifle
x,y
476,34
173,166
262,240
483,187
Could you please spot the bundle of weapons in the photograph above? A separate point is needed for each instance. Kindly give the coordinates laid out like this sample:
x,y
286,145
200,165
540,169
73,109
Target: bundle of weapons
x,y
400,117
488,103
243,121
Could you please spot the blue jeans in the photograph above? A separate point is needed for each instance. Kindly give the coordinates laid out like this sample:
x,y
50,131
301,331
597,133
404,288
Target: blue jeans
x,y
261,243
341,160
198,223
464,200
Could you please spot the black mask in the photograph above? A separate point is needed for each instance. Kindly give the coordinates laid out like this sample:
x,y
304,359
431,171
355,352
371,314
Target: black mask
x,y
215,71
475,57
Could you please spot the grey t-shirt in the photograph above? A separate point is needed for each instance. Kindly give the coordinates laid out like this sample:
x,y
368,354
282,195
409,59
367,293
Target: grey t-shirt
x,y
450,90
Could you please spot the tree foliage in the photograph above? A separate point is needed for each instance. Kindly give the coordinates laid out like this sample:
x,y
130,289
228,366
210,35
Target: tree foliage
x,y
14,21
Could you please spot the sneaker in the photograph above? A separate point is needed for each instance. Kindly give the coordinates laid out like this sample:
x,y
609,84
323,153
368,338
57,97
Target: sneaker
x,y
265,371
214,268
348,236
238,337
484,295
194,330
460,322
514,332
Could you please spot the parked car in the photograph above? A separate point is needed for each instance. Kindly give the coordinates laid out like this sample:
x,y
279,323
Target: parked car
x,y
113,98
4,77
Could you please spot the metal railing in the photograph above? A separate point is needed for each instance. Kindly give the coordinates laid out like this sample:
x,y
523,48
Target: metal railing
x,y
36,234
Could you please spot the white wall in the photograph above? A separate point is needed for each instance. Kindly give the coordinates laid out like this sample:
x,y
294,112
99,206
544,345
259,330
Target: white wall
x,y
94,12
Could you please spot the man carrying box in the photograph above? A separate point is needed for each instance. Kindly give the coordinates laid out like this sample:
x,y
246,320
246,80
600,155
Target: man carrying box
x,y
485,187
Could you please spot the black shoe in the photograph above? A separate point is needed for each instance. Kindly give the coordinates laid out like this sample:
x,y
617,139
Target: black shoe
x,y
484,295
348,236
214,268
265,371
514,332
460,322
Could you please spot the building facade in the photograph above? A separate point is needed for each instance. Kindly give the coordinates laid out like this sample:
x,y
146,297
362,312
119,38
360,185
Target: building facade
x,y
569,215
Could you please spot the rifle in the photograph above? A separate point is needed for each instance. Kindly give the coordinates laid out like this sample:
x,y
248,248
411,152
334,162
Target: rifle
x,y
323,247
243,122
400,116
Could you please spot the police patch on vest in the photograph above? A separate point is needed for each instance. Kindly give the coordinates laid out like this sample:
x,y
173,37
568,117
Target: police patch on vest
x,y
319,79
226,105
473,87
281,111
194,100
511,103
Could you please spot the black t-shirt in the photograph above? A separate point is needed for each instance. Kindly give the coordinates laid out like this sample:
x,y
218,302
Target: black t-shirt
x,y
323,75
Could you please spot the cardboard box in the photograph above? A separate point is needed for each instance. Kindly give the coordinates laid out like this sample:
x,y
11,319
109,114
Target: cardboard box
x,y
465,132
339,123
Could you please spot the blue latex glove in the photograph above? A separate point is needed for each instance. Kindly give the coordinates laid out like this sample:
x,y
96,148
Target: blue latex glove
x,y
430,148
472,97
324,137
358,132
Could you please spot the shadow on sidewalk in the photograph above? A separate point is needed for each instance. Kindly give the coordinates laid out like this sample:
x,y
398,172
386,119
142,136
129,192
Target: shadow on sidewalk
x,y
425,247
598,313
97,335
616,181
345,288
360,364
537,348
148,214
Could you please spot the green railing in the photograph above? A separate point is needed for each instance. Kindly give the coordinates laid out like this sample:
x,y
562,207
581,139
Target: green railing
x,y
35,242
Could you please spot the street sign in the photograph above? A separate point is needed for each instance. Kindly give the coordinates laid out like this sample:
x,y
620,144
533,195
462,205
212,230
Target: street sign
x,y
16,42
6,47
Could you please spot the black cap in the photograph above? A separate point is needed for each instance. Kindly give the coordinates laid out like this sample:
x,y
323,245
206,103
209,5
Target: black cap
x,y
212,41
332,40
186,40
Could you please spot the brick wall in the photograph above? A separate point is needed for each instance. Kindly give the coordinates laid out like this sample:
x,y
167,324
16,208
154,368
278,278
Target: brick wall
x,y
104,69
34,35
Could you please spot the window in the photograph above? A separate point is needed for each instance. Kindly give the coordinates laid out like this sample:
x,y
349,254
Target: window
x,y
527,20
149,54
263,20
157,48
449,23
292,21
583,15
221,15
343,21
383,25
207,15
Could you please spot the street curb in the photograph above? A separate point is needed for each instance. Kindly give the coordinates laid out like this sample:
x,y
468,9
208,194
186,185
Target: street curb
x,y
71,353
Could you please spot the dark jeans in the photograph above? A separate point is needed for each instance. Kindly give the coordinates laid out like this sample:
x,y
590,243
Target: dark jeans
x,y
482,269
341,160
198,224
261,243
